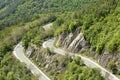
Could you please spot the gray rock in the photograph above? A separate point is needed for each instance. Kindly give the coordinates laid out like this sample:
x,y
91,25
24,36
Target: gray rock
x,y
72,41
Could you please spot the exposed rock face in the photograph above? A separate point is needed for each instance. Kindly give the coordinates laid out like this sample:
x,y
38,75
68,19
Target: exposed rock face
x,y
61,38
78,43
73,42
106,57
70,37
31,50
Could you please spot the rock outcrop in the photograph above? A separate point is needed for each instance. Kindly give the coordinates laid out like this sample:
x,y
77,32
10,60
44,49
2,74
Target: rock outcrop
x,y
31,50
73,42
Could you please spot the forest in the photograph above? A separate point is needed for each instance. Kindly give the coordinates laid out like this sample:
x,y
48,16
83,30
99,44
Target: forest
x,y
28,10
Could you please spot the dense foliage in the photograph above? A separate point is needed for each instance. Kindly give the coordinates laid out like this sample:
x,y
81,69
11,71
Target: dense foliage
x,y
12,69
78,71
99,24
29,9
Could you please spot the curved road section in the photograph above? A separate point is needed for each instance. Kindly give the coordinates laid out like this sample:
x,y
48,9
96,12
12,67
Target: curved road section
x,y
108,75
19,54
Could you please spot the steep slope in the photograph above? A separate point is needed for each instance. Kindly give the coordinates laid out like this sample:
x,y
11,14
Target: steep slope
x,y
95,33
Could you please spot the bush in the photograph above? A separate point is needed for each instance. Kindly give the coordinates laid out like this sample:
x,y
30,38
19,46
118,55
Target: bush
x,y
77,60
49,51
118,72
5,47
112,65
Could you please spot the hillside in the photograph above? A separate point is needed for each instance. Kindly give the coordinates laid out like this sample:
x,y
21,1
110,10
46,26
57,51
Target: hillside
x,y
95,33
92,32
87,27
99,25
27,10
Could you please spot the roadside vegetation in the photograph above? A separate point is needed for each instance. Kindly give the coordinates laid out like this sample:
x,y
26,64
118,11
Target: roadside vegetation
x,y
12,69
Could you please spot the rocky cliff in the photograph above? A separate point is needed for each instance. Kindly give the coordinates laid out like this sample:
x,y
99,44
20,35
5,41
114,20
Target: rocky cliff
x,y
73,42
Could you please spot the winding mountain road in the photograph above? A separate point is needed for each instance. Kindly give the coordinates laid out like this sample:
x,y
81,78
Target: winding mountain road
x,y
19,54
108,75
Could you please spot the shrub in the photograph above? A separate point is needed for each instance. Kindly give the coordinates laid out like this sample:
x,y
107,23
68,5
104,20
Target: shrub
x,y
112,65
77,60
49,51
118,72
